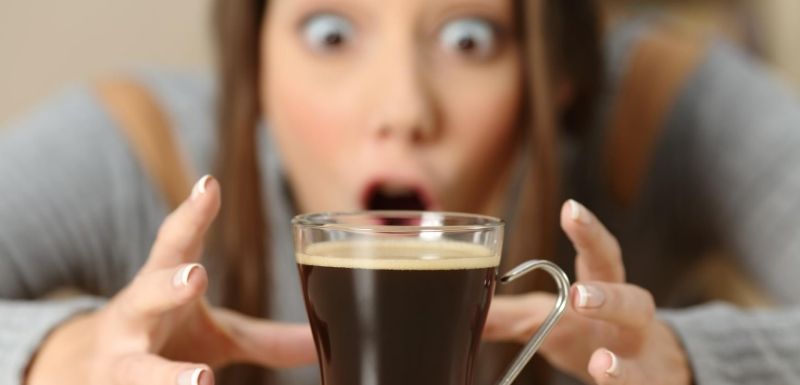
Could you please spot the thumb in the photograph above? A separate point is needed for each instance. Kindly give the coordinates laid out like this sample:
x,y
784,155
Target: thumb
x,y
516,318
272,344
151,294
607,368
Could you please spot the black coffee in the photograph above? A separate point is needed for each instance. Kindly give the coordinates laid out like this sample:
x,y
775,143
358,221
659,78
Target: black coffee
x,y
399,312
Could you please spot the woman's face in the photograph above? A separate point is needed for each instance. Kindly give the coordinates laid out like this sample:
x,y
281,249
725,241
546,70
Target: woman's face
x,y
392,104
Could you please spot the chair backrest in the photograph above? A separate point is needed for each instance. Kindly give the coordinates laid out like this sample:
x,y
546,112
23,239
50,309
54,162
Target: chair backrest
x,y
150,134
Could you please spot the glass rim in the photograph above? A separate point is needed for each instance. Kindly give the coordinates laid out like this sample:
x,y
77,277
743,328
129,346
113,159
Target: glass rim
x,y
317,221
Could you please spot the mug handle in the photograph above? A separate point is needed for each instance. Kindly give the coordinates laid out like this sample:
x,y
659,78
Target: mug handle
x,y
561,305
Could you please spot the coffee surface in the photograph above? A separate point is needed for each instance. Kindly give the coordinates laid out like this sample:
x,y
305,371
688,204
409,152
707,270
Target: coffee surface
x,y
399,255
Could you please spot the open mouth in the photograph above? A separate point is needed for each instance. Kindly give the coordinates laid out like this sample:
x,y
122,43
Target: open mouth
x,y
385,196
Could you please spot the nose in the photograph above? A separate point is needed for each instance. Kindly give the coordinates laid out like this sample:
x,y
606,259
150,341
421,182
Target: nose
x,y
405,108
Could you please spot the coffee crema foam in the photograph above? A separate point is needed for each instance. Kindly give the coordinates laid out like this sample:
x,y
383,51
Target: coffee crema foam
x,y
399,255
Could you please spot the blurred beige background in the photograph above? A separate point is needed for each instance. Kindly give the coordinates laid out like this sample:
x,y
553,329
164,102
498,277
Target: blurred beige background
x,y
770,28
47,45
781,27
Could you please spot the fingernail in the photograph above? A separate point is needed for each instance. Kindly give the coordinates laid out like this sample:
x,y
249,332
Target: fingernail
x,y
197,376
578,213
614,368
200,187
181,277
589,296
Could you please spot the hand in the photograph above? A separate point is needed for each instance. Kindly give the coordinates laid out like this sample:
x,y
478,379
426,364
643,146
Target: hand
x,y
159,330
609,335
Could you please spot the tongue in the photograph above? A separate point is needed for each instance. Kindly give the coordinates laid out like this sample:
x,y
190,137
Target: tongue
x,y
403,201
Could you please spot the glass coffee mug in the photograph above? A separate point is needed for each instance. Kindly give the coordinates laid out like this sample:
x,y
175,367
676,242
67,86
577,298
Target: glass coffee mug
x,y
401,297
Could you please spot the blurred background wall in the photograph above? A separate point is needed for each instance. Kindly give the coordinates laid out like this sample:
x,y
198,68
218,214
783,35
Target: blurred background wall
x,y
780,27
769,28
45,45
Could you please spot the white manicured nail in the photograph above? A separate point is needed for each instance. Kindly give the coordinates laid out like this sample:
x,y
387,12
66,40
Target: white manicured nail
x,y
191,376
181,277
590,296
614,369
578,213
200,187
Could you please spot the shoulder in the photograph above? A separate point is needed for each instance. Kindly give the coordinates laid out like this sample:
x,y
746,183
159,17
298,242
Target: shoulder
x,y
650,60
71,126
189,101
73,133
69,158
76,124
733,90
78,111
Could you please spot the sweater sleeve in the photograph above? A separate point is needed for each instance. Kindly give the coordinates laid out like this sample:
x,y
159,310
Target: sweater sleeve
x,y
66,179
742,137
25,324
727,345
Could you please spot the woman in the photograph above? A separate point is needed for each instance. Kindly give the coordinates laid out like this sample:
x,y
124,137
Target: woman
x,y
446,105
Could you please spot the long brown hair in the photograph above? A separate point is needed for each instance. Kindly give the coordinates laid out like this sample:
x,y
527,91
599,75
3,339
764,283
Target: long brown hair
x,y
561,41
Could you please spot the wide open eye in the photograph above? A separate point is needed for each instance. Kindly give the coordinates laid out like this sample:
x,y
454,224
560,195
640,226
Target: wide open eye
x,y
471,37
327,32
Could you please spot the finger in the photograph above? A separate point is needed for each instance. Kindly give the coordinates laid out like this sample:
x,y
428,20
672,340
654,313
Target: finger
x,y
272,344
180,237
622,304
152,294
599,256
607,368
516,318
148,369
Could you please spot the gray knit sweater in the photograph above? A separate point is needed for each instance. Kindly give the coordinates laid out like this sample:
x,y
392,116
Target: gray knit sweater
x,y
76,209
